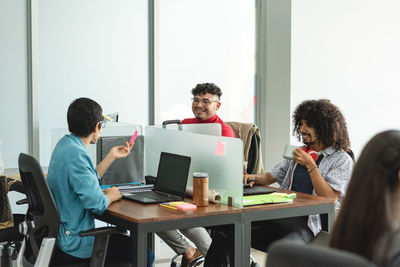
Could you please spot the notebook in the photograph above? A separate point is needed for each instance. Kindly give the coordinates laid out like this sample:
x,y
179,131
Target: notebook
x,y
256,190
265,199
171,181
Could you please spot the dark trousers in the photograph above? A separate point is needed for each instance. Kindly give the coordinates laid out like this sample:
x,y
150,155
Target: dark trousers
x,y
263,234
220,253
119,248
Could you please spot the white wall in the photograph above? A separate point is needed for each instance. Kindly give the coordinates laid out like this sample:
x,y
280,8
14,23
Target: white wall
x,y
13,81
349,52
96,49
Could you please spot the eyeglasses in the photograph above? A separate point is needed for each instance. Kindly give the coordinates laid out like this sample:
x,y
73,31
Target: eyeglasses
x,y
204,101
102,124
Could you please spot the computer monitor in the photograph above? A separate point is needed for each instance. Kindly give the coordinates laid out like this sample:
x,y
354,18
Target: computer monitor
x,y
126,170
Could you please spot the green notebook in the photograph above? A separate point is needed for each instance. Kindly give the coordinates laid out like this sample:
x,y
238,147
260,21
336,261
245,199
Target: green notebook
x,y
265,199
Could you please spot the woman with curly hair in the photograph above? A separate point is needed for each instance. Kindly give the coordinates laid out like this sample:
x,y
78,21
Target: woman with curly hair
x,y
369,221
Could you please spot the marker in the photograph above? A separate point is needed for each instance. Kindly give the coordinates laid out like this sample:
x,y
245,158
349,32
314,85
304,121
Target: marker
x,y
251,180
292,195
168,207
108,118
133,138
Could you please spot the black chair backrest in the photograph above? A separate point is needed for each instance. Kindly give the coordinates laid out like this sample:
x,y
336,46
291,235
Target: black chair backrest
x,y
42,210
253,155
285,253
351,154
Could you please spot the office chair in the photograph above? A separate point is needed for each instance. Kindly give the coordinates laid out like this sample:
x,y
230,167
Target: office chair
x,y
10,238
42,222
285,253
253,155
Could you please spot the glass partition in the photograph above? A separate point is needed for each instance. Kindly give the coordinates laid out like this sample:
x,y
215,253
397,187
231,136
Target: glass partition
x,y
220,157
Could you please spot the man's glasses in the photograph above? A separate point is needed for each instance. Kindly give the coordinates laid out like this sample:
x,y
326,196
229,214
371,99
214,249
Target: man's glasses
x,y
102,124
204,101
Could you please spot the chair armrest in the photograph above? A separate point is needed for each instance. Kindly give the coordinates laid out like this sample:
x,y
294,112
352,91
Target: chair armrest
x,y
22,201
102,235
108,230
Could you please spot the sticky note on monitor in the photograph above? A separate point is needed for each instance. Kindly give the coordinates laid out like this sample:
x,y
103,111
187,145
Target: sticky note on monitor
x,y
220,148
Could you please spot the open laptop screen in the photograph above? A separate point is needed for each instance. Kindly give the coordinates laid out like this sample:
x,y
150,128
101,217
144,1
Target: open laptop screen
x,y
172,174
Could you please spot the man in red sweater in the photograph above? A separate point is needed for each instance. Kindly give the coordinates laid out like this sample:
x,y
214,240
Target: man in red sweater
x,y
205,103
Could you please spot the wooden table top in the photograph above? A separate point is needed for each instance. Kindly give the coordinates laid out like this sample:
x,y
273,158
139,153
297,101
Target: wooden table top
x,y
140,213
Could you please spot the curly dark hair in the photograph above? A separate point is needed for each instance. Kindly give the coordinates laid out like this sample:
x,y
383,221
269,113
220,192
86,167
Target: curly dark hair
x,y
327,120
204,88
83,114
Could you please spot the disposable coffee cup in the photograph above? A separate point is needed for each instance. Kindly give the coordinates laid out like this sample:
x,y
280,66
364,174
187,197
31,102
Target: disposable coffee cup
x,y
288,151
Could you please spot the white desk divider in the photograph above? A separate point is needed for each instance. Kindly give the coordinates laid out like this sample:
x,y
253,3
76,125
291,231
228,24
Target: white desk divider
x,y
220,157
200,128
111,129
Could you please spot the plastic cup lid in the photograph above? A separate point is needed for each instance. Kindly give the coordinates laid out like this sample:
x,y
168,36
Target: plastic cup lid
x,y
200,174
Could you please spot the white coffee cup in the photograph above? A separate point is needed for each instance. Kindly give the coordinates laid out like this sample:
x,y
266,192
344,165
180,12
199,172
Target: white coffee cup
x,y
288,151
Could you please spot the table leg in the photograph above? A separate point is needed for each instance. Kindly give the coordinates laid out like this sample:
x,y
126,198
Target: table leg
x,y
246,242
238,243
139,247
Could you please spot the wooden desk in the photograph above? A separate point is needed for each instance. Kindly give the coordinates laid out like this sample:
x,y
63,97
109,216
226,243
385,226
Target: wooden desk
x,y
303,204
141,219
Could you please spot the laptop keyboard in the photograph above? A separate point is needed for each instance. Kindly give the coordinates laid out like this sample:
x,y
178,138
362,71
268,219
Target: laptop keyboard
x,y
156,195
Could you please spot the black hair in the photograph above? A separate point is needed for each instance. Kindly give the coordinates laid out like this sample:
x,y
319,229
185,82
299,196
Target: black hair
x,y
204,88
327,120
83,114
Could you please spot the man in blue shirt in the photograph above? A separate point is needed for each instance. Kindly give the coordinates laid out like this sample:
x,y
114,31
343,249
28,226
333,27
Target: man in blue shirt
x,y
75,185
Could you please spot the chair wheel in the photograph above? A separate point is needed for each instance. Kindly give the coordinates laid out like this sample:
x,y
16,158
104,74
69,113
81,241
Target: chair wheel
x,y
255,264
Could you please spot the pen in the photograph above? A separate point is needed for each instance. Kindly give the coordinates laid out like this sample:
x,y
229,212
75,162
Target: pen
x,y
168,207
251,180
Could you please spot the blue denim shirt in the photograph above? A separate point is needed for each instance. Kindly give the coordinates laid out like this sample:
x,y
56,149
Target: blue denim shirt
x,y
75,186
335,167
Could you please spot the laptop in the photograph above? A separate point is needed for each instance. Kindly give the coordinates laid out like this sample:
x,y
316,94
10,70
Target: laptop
x,y
256,190
171,181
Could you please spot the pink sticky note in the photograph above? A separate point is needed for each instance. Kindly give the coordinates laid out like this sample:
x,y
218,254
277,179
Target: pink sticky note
x,y
220,148
133,138
186,206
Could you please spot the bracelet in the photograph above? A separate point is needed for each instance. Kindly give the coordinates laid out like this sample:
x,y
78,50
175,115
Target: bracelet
x,y
313,168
